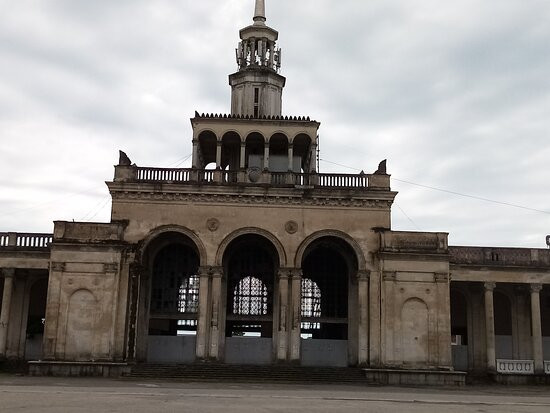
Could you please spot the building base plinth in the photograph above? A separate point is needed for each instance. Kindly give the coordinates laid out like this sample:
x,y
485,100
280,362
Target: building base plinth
x,y
415,377
78,369
520,379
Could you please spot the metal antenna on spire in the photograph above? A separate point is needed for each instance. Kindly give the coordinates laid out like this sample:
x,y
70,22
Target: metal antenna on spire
x,y
259,12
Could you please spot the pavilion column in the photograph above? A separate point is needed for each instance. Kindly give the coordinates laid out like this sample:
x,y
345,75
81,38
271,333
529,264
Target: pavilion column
x,y
290,157
282,342
490,327
266,156
6,306
296,315
363,336
242,164
536,328
203,332
219,155
313,160
195,162
216,313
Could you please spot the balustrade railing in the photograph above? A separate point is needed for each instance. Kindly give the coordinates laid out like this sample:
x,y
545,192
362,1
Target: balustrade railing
x,y
343,180
515,366
163,174
25,240
168,175
279,178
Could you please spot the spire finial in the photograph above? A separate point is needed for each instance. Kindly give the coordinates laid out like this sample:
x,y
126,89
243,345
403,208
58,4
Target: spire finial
x,y
259,12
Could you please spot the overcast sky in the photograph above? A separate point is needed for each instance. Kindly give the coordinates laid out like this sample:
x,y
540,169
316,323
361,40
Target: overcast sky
x,y
455,94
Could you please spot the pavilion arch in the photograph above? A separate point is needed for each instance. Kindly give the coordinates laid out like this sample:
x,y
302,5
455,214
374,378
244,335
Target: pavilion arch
x,y
158,233
278,152
361,262
208,142
301,144
252,231
255,150
231,150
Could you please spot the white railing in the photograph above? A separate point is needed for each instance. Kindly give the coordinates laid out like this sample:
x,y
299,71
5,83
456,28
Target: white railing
x,y
345,181
516,366
25,240
547,367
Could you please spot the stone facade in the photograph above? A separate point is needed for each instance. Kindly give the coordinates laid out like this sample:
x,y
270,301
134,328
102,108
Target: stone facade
x,y
254,257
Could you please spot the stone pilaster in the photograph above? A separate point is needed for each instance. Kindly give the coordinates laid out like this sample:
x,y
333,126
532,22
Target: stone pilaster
x,y
536,328
490,327
296,315
9,275
216,314
283,330
363,322
203,331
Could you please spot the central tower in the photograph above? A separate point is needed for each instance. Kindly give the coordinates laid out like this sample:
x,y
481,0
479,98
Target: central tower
x,y
257,87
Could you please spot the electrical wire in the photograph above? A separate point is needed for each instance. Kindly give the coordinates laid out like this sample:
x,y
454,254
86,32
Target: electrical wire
x,y
433,188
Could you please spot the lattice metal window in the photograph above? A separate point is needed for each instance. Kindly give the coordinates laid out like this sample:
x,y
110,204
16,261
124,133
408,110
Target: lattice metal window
x,y
188,323
250,297
311,303
175,286
188,300
311,298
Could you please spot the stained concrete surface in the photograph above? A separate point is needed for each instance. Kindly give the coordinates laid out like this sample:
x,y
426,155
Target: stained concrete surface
x,y
45,395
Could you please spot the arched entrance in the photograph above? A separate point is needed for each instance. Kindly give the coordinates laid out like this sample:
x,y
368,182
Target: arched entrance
x,y
172,261
503,326
459,330
35,319
250,263
328,265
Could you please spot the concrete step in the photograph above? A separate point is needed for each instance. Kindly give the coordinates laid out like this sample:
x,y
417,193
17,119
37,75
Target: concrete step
x,y
224,372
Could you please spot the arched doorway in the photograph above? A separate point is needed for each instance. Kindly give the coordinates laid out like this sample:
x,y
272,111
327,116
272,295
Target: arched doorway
x,y
250,263
545,321
328,264
35,319
459,330
173,298
504,343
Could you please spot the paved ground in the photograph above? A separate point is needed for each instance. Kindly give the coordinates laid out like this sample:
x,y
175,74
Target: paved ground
x,y
26,394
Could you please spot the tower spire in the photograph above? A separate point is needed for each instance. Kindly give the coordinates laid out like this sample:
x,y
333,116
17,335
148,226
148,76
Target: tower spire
x,y
259,12
257,87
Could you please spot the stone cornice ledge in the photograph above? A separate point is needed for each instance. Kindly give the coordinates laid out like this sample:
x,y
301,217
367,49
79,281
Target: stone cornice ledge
x,y
253,195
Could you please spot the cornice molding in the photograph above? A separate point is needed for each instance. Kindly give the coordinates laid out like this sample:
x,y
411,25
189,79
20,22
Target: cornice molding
x,y
244,199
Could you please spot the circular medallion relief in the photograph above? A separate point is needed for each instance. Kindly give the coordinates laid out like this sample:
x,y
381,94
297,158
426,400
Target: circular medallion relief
x,y
213,224
254,174
291,227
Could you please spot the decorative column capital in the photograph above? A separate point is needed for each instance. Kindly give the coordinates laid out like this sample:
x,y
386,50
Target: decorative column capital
x,y
297,273
284,273
442,277
57,266
110,268
8,272
363,275
390,276
535,288
489,286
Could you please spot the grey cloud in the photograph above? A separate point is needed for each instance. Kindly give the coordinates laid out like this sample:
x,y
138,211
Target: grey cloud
x,y
456,95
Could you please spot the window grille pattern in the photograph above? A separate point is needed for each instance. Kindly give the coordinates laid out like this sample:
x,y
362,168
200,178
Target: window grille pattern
x,y
311,298
188,300
250,297
310,303
175,286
